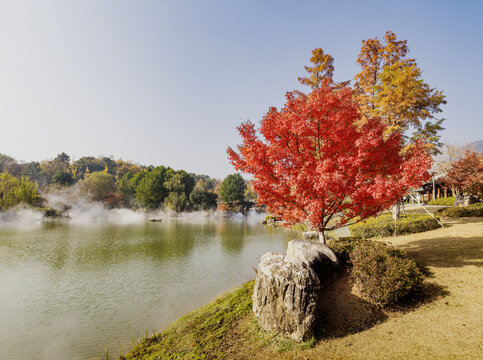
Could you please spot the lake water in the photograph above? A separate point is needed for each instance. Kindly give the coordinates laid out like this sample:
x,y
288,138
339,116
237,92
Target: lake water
x,y
66,290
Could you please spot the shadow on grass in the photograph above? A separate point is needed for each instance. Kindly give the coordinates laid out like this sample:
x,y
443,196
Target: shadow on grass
x,y
340,312
428,293
446,252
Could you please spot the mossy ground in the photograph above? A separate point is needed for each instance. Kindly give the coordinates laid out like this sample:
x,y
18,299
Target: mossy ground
x,y
444,322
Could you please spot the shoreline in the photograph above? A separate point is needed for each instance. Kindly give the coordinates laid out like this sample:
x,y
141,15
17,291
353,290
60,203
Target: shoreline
x,y
235,334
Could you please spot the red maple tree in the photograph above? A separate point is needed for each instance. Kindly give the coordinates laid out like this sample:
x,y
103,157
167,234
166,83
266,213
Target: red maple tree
x,y
312,164
466,175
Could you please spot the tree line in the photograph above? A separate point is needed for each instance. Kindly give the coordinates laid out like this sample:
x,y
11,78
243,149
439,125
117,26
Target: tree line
x,y
117,183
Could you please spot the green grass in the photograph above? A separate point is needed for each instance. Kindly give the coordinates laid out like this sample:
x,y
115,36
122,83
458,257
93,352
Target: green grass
x,y
208,332
449,201
200,334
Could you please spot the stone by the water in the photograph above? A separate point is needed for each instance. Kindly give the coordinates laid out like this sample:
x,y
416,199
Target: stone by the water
x,y
318,256
285,296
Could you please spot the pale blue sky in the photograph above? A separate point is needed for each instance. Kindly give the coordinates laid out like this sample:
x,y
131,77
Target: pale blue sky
x,y
167,82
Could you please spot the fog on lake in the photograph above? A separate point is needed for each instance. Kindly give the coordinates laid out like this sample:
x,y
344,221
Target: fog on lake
x,y
68,289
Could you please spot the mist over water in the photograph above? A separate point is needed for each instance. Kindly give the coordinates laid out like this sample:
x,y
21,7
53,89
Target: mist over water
x,y
83,211
67,287
21,216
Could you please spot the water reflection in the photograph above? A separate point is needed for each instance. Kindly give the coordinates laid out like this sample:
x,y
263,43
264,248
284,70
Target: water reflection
x,y
66,288
232,236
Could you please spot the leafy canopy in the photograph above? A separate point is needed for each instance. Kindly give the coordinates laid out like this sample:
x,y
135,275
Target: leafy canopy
x,y
311,163
201,197
466,175
179,184
321,69
14,191
389,86
62,178
98,185
150,192
233,188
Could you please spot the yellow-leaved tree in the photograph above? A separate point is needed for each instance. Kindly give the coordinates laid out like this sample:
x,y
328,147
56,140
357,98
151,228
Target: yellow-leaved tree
x,y
321,69
389,86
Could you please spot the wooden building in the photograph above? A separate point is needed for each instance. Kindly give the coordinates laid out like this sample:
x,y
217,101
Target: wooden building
x,y
441,190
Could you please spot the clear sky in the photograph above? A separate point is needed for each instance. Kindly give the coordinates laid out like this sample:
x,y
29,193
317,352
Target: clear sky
x,y
167,82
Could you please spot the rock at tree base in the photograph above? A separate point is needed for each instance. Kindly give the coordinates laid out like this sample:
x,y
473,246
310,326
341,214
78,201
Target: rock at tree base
x,y
465,200
315,255
285,296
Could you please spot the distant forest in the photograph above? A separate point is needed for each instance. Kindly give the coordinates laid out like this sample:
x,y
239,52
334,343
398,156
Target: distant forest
x,y
116,183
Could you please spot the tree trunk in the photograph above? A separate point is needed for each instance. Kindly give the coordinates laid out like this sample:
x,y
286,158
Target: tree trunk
x,y
395,216
322,236
395,211
434,190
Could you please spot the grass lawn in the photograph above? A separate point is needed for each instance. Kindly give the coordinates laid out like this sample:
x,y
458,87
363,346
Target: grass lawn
x,y
445,322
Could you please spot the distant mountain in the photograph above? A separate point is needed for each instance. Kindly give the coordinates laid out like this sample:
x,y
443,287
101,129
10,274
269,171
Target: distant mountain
x,y
477,145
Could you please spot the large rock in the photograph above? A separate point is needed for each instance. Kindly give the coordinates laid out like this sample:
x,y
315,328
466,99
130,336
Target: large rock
x,y
465,200
285,296
315,255
459,200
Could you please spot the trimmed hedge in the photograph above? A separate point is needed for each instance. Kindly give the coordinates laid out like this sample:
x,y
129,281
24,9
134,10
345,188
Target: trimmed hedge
x,y
383,274
343,248
449,201
474,210
384,226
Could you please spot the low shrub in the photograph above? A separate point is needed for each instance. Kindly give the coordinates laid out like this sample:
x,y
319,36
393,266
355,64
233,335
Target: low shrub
x,y
49,212
381,226
270,218
54,213
277,221
474,210
416,223
449,201
384,226
383,274
343,247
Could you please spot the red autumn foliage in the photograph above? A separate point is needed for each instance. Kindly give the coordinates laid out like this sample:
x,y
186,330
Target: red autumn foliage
x,y
466,174
114,201
311,163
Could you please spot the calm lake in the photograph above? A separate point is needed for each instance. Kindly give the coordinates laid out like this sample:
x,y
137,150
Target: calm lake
x,y
67,290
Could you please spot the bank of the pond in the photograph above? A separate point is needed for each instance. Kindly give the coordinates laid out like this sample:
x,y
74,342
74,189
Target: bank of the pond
x,y
67,288
445,324
201,333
